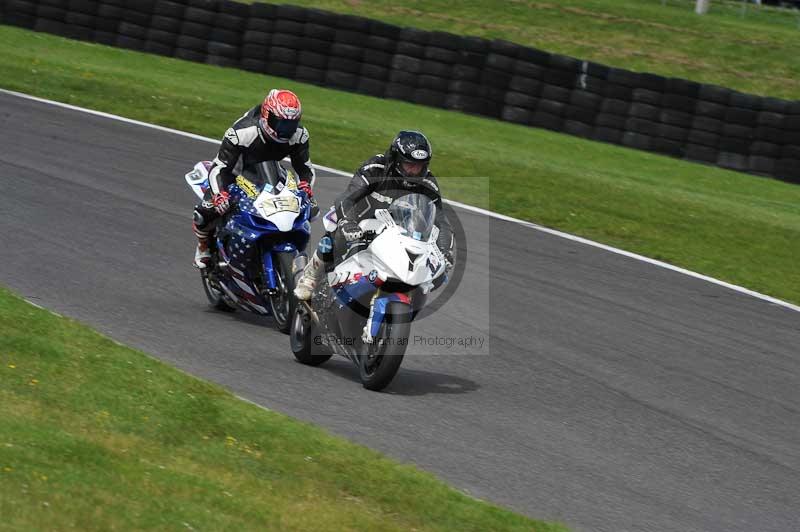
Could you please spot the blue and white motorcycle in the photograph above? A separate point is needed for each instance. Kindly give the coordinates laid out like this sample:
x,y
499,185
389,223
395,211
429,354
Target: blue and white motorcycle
x,y
363,310
257,241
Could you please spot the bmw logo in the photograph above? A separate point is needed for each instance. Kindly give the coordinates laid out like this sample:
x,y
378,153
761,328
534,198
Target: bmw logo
x,y
325,245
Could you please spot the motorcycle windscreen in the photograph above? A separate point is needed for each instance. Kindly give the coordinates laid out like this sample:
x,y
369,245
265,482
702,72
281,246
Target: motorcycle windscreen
x,y
416,213
265,175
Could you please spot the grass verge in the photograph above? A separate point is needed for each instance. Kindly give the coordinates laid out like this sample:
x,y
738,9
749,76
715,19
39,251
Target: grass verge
x,y
736,227
97,436
752,50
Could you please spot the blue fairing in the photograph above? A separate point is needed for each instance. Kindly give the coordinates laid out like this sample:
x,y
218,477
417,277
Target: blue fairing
x,y
269,270
247,238
266,261
357,290
378,313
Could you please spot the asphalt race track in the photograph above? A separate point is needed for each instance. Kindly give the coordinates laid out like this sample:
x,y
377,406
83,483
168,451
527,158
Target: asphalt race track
x,y
617,396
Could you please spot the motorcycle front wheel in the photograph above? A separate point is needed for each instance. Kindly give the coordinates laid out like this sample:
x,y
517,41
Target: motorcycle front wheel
x,y
282,302
379,361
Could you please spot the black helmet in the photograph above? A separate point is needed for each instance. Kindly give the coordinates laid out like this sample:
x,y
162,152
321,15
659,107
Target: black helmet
x,y
409,155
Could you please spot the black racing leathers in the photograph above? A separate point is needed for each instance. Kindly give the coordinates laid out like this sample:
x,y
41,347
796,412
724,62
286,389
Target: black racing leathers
x,y
371,189
244,144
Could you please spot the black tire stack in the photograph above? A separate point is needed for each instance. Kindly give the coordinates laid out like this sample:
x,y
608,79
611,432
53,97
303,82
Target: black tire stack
x,y
465,90
69,18
110,14
346,51
195,29
498,79
227,31
285,42
376,66
165,26
134,24
22,13
256,39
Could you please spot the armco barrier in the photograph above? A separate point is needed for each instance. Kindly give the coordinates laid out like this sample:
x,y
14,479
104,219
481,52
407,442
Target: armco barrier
x,y
498,79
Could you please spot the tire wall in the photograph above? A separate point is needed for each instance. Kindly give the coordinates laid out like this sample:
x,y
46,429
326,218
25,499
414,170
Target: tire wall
x,y
497,79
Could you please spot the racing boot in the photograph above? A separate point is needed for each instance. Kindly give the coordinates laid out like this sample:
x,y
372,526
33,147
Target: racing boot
x,y
312,274
202,255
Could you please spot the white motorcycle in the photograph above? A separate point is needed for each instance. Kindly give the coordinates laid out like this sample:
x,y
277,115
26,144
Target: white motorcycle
x,y
365,308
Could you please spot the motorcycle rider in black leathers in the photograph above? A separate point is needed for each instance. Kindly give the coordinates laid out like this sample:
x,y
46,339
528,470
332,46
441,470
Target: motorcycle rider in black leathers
x,y
402,170
268,132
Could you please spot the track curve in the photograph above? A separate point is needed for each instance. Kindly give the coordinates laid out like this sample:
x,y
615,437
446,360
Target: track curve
x,y
616,395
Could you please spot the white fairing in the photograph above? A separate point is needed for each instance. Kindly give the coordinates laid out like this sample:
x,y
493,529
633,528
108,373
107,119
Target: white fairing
x,y
197,177
390,254
281,209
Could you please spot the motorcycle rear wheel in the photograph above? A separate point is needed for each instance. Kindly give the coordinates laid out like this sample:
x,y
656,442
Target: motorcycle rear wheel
x,y
216,297
301,341
379,362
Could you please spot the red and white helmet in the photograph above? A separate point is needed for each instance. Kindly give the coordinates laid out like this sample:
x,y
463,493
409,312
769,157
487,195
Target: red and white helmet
x,y
280,115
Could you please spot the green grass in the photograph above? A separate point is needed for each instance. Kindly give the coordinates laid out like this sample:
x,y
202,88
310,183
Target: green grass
x,y
736,227
97,436
754,53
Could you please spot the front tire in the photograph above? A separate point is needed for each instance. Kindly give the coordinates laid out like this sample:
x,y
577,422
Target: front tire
x,y
379,362
282,303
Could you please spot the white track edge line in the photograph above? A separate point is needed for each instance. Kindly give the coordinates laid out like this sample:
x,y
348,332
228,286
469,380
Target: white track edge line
x,y
464,206
629,254
53,312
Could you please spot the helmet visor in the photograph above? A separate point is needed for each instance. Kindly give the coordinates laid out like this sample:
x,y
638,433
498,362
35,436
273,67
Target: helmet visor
x,y
284,128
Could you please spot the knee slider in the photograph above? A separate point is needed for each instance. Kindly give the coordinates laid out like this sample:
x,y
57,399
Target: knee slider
x,y
197,218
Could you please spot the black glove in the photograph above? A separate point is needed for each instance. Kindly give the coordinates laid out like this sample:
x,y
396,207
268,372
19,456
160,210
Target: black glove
x,y
446,244
449,259
350,230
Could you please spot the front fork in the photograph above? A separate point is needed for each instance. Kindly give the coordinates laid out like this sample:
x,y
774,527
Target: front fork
x,y
270,277
377,312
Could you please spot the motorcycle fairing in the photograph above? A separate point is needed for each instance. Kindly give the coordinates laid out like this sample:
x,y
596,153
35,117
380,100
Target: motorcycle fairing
x,y
247,231
393,254
197,178
238,245
282,212
239,287
266,261
378,310
358,287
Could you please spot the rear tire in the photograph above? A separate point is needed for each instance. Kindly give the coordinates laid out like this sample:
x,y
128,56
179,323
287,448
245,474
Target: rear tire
x,y
216,297
283,303
380,361
301,340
